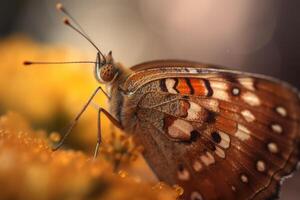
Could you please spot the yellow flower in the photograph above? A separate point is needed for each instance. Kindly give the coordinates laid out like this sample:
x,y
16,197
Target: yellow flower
x,y
31,170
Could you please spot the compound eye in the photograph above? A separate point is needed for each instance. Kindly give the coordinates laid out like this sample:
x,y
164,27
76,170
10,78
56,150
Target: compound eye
x,y
107,73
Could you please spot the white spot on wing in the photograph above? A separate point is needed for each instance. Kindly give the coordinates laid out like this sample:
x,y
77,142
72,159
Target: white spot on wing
x,y
220,94
207,159
251,99
243,133
247,83
219,84
220,90
183,175
233,188
261,166
225,140
170,84
282,111
197,166
248,116
277,128
235,91
212,104
194,111
196,196
273,148
180,129
220,152
244,178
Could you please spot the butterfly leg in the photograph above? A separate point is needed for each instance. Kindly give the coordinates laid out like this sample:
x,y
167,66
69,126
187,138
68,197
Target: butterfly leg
x,y
74,122
112,119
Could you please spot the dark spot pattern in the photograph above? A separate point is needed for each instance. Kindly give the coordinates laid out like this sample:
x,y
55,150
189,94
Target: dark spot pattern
x,y
175,85
210,91
211,117
188,82
216,137
194,136
163,86
230,78
180,167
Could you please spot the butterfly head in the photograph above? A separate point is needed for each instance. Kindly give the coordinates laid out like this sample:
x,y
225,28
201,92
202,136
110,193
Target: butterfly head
x,y
105,69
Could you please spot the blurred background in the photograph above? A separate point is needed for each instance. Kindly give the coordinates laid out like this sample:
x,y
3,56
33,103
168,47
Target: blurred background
x,y
257,36
250,35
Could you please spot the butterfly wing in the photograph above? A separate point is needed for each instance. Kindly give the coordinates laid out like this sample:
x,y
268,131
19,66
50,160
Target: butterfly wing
x,y
219,134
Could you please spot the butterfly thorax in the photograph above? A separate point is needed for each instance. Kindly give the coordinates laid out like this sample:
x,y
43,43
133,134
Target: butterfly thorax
x,y
118,95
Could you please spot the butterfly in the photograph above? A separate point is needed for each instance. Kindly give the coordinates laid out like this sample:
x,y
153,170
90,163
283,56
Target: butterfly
x,y
216,132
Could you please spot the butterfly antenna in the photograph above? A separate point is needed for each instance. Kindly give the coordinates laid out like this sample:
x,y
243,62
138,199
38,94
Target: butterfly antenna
x,y
55,63
79,30
61,8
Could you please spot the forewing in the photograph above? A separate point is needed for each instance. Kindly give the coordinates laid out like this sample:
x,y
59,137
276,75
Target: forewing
x,y
219,134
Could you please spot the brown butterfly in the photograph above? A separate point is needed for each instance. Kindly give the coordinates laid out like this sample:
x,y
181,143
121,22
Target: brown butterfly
x,y
218,133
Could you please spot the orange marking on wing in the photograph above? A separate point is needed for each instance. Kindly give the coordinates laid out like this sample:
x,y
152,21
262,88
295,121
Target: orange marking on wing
x,y
182,87
199,86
